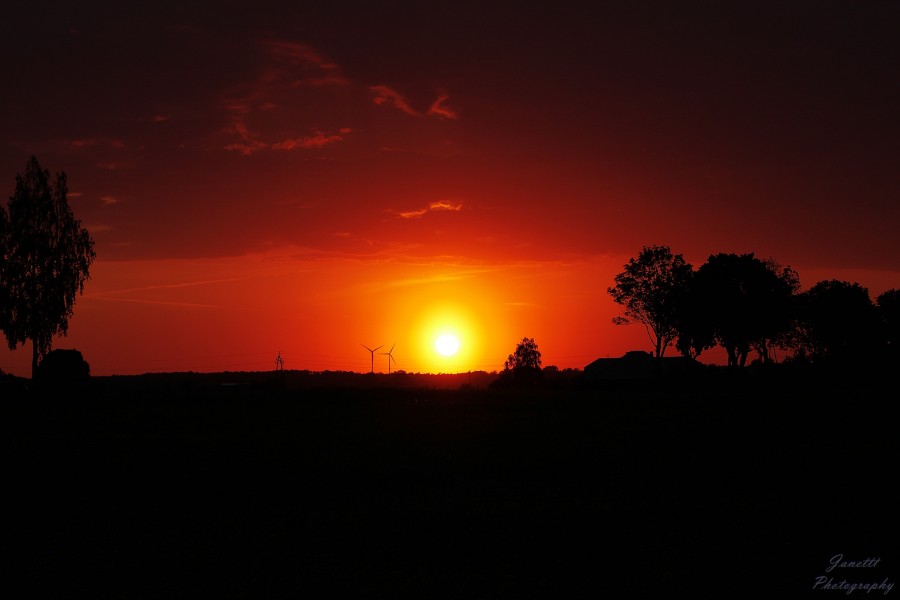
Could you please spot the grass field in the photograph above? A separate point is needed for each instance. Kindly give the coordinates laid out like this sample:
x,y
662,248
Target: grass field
x,y
159,491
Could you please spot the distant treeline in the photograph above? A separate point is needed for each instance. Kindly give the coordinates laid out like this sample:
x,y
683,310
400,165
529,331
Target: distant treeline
x,y
745,304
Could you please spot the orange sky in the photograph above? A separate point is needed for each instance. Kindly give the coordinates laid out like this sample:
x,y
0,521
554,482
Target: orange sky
x,y
308,180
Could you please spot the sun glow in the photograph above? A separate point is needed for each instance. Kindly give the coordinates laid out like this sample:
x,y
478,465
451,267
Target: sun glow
x,y
447,344
450,336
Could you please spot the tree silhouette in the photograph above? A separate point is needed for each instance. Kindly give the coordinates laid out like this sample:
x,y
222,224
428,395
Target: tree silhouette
x,y
888,304
4,294
524,364
695,330
526,357
745,302
650,290
839,325
777,309
46,259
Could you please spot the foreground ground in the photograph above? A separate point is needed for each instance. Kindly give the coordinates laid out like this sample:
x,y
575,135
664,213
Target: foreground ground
x,y
726,490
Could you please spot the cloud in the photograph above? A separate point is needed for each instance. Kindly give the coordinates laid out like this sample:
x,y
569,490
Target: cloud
x,y
91,142
438,109
386,95
319,139
316,69
438,206
167,286
441,205
109,200
289,65
413,214
257,110
246,148
82,143
159,302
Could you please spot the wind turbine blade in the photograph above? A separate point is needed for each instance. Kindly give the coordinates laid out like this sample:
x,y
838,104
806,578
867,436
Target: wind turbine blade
x,y
392,347
367,348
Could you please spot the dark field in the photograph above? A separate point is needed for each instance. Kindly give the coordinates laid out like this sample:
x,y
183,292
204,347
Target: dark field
x,y
726,490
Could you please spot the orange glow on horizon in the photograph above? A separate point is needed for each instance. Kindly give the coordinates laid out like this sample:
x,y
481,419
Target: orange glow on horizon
x,y
236,314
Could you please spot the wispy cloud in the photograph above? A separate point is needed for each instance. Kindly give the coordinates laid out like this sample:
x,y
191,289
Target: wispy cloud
x,y
128,294
109,200
379,286
412,214
385,95
163,302
314,68
164,286
319,139
91,142
289,66
438,109
439,206
442,205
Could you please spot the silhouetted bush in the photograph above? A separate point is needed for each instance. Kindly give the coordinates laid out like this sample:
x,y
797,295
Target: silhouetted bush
x,y
63,367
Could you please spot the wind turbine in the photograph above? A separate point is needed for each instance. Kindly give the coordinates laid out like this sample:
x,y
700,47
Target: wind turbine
x,y
390,357
373,354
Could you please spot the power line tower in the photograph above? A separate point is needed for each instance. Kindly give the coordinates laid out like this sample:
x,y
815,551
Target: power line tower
x,y
279,369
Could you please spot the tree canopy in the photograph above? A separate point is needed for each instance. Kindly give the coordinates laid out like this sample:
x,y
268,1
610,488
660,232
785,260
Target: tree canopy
x,y
650,290
745,301
526,357
523,366
888,304
838,324
46,255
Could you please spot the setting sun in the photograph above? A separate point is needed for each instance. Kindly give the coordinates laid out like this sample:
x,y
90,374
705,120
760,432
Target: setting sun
x,y
447,345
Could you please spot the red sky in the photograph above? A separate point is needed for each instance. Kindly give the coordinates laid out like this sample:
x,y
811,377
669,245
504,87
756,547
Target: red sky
x,y
308,178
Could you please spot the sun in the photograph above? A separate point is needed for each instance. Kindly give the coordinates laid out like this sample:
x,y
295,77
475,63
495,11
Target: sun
x,y
447,345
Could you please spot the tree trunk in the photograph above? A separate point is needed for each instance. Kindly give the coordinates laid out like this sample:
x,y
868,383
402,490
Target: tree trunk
x,y
732,356
34,359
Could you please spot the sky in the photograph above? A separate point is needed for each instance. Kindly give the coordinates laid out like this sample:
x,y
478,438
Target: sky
x,y
308,177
